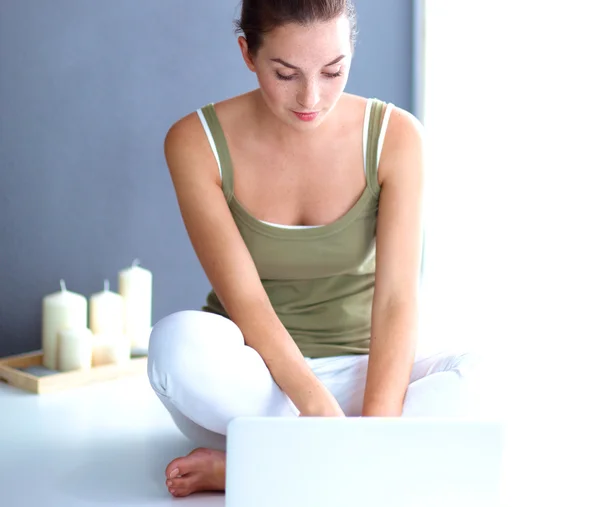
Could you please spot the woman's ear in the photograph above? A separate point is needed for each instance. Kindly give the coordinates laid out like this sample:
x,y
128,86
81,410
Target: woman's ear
x,y
243,43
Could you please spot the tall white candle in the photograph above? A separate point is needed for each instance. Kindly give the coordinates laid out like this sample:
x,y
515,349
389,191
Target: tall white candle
x,y
135,285
60,310
74,349
107,312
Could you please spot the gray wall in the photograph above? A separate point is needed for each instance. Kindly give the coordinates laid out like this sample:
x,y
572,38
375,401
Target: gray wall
x,y
87,92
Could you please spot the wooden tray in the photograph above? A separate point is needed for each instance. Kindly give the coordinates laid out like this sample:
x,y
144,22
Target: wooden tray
x,y
11,371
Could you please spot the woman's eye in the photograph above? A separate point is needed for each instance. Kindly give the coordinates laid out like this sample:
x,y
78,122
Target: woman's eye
x,y
284,78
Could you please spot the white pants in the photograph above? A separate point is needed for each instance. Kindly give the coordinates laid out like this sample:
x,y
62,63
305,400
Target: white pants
x,y
205,375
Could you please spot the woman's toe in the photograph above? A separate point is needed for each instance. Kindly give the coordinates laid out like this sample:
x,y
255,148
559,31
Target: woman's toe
x,y
174,468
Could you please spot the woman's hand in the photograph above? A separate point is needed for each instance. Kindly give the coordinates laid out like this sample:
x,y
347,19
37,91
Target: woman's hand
x,y
326,407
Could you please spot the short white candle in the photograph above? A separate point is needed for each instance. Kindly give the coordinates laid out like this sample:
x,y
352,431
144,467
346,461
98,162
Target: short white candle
x,y
107,312
60,310
74,349
135,285
110,349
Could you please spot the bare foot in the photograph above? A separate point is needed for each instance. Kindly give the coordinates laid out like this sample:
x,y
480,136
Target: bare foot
x,y
201,470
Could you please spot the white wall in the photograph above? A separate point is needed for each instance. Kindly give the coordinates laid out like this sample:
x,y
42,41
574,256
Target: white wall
x,y
512,111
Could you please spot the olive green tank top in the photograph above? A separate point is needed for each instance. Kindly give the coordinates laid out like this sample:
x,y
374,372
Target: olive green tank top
x,y
319,279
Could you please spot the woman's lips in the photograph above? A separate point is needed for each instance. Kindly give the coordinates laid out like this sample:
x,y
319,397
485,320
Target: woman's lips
x,y
306,116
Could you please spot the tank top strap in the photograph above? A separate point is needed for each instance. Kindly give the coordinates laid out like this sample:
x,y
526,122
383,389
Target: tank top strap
x,y
373,140
224,158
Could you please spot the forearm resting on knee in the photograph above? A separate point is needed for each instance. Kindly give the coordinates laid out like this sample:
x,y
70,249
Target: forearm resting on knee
x,y
266,334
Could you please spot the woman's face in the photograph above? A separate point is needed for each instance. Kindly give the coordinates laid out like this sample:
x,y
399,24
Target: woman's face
x,y
303,69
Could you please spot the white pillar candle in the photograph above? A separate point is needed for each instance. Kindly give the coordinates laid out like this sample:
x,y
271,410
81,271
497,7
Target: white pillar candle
x,y
107,312
111,349
74,349
135,285
60,310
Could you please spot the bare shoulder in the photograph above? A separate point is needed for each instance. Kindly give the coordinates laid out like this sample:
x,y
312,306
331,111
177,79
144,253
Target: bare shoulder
x,y
404,123
186,146
403,143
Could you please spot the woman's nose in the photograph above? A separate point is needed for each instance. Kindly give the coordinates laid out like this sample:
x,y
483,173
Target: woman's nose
x,y
308,97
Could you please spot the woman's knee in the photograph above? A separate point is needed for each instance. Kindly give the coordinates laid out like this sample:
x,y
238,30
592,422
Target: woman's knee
x,y
186,336
193,329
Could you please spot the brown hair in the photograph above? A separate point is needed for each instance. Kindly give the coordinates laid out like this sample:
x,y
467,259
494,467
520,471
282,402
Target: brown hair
x,y
258,17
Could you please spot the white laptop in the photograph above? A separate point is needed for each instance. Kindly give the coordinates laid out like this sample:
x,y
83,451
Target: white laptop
x,y
363,462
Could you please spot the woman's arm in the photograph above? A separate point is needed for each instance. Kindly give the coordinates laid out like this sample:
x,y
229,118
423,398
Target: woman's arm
x,y
230,269
399,242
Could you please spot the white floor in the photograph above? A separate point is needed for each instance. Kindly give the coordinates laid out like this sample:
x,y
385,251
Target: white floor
x,y
106,444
